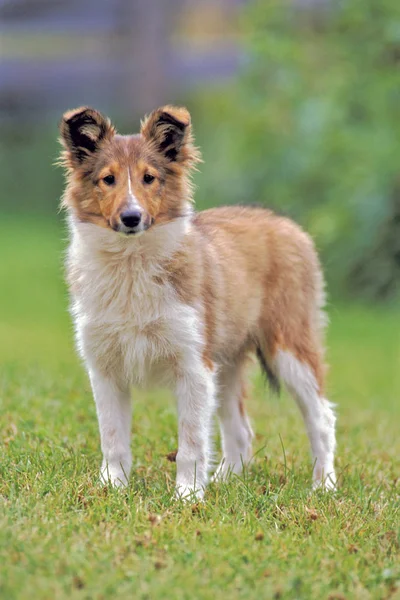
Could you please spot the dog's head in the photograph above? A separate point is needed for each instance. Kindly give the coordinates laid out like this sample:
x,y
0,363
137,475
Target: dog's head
x,y
128,183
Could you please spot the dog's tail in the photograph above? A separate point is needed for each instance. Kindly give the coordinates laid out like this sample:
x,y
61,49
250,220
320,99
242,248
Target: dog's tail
x,y
270,376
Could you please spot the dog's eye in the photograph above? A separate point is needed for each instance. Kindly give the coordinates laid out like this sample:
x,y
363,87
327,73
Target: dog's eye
x,y
147,178
109,179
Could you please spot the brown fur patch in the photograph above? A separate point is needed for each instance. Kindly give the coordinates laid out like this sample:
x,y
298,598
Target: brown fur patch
x,y
264,278
208,362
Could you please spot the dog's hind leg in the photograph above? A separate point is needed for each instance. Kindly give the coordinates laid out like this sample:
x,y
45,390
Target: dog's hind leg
x,y
301,379
236,432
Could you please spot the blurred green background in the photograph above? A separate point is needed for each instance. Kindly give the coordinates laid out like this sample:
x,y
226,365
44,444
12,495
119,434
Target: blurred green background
x,y
295,106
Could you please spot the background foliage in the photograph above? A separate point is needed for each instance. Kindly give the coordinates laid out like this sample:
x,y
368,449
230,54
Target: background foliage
x,y
312,128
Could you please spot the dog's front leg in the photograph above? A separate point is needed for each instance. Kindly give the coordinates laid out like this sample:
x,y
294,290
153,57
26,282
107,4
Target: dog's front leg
x,y
113,406
196,404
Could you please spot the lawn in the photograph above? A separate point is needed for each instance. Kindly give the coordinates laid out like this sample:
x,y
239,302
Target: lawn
x,y
62,535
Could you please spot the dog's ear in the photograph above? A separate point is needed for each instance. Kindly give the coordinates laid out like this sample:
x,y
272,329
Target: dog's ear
x,y
169,129
82,131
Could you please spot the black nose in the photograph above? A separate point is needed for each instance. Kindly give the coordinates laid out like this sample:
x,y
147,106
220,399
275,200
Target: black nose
x,y
131,218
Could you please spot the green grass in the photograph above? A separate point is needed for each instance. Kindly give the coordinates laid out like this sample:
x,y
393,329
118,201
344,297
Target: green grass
x,y
264,536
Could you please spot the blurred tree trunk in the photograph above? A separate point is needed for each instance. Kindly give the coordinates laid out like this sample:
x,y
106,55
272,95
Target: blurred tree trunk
x,y
145,54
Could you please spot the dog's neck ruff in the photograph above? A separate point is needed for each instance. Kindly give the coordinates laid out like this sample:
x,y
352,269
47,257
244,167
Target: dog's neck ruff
x,y
159,242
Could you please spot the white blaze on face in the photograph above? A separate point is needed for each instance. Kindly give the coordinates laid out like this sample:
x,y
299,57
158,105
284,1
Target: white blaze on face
x,y
132,200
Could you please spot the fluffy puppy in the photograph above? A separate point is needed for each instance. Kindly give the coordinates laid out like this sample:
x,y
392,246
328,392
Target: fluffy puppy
x,y
161,294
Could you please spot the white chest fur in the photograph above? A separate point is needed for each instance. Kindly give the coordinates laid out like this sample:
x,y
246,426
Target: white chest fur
x,y
129,320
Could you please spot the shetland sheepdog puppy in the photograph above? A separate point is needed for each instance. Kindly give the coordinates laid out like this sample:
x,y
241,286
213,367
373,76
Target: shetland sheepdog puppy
x,y
162,294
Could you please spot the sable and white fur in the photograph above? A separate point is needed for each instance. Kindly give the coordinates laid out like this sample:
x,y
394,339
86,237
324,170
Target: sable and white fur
x,y
163,295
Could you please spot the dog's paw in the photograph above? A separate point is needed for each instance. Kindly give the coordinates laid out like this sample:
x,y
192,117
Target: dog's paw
x,y
326,484
188,493
229,467
114,476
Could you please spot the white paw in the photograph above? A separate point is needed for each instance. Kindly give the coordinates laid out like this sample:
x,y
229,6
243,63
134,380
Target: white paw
x,y
227,468
113,475
326,484
188,493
